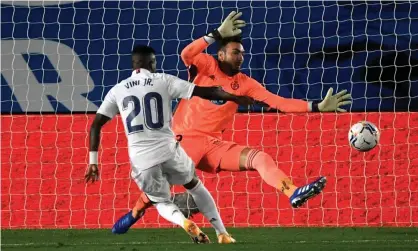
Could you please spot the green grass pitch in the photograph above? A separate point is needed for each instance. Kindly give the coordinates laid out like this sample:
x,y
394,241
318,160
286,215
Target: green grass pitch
x,y
173,239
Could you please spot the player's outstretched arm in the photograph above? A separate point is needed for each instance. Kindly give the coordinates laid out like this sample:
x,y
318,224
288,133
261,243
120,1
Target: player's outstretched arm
x,y
216,93
329,104
192,53
93,172
332,102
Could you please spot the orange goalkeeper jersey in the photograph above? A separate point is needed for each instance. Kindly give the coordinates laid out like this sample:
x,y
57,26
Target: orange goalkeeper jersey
x,y
198,116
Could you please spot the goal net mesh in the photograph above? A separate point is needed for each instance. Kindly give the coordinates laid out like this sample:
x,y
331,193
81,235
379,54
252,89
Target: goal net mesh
x,y
60,58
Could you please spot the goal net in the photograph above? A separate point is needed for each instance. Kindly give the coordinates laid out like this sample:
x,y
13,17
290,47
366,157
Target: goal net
x,y
60,58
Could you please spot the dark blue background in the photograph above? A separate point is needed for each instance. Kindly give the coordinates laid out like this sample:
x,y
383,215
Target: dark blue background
x,y
297,49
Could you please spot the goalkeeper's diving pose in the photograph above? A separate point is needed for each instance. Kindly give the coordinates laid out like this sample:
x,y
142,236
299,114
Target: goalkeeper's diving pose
x,y
199,123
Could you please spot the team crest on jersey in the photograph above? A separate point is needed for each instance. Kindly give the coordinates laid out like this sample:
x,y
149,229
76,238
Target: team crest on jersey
x,y
234,85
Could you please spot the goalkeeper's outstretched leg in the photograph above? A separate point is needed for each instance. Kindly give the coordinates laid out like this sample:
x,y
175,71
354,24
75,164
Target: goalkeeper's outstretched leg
x,y
304,193
229,156
239,158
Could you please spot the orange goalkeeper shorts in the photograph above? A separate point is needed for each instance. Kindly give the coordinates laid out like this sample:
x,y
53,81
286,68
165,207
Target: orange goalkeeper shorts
x,y
207,153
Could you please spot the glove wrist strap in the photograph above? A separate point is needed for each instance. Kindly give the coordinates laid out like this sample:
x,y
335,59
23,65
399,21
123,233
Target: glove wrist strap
x,y
315,107
215,34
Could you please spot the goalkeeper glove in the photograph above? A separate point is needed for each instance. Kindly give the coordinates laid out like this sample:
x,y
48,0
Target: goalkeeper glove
x,y
230,26
332,103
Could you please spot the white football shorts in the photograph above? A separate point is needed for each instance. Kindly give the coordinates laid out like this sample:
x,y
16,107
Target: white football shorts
x,y
156,181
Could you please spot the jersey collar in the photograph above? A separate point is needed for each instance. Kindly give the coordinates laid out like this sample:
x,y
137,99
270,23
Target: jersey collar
x,y
137,71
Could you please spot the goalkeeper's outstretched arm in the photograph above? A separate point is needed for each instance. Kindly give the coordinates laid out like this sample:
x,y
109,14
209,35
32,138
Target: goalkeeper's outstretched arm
x,y
330,103
192,53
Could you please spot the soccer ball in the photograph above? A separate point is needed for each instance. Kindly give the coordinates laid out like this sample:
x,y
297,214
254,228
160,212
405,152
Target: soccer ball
x,y
363,136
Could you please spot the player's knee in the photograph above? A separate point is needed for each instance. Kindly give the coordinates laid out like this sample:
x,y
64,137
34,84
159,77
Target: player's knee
x,y
262,156
259,158
192,184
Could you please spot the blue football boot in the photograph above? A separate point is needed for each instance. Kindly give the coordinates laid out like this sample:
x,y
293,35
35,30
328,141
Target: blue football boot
x,y
125,222
306,192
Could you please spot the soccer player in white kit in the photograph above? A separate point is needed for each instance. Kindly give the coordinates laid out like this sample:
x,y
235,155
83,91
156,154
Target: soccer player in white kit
x,y
158,161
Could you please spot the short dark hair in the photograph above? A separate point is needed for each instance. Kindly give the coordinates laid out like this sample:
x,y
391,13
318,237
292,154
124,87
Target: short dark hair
x,y
143,50
225,41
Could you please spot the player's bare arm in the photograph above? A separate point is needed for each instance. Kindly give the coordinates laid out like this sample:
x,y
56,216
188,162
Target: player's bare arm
x,y
95,129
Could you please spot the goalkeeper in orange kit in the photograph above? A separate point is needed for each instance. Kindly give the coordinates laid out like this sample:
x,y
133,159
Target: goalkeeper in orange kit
x,y
199,123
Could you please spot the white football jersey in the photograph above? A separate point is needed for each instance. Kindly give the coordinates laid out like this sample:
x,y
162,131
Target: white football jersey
x,y
144,103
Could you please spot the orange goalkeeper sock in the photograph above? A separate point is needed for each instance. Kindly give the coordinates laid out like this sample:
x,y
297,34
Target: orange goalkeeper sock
x,y
266,167
142,203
